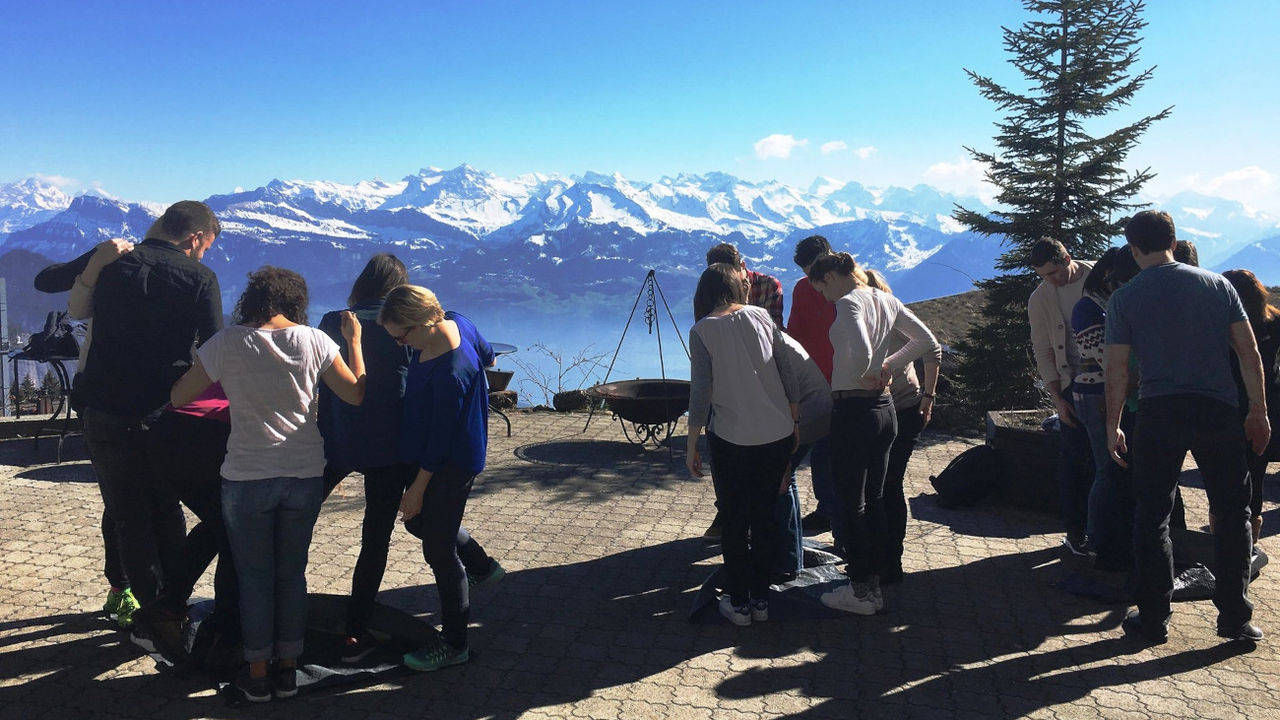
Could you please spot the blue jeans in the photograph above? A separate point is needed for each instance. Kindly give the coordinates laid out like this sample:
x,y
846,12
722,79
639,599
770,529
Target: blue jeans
x,y
824,488
788,555
1091,411
1075,476
269,524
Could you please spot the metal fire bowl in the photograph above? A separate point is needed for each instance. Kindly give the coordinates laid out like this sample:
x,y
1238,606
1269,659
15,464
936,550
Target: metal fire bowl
x,y
645,401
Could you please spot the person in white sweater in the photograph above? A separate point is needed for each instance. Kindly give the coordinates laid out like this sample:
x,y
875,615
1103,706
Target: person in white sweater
x,y
863,423
747,397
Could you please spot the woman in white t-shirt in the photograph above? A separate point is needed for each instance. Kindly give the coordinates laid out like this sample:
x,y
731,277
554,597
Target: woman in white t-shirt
x,y
270,364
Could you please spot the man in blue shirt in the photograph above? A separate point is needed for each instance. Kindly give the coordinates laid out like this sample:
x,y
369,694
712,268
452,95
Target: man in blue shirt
x,y
1183,323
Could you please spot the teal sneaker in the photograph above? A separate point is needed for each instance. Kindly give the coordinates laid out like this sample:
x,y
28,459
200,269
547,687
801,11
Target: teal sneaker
x,y
434,657
495,575
121,604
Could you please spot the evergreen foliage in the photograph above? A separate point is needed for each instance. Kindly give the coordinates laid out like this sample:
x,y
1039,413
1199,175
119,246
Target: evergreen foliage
x,y
27,389
50,386
1056,178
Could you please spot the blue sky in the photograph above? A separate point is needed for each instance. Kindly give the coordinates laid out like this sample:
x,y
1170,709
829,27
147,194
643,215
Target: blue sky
x,y
160,101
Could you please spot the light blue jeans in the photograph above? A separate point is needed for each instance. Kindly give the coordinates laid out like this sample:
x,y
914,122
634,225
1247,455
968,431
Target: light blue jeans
x,y
269,524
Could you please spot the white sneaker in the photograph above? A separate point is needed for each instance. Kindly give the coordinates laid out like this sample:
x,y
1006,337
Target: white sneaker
x,y
759,610
877,595
737,614
853,598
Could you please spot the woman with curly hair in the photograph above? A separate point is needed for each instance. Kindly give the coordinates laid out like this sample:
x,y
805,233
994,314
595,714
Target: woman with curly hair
x,y
270,365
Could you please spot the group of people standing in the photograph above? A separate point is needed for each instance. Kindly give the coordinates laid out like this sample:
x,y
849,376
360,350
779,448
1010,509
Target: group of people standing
x,y
1146,357
253,424
837,383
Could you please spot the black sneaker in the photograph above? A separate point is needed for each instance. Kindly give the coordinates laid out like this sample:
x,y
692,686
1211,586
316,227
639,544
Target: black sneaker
x,y
255,690
167,636
814,523
1133,627
284,682
356,648
1247,632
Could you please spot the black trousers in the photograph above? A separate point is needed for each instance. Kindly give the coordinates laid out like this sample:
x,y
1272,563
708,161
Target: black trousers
x,y
862,431
746,479
910,425
1169,426
150,526
384,486
438,525
186,454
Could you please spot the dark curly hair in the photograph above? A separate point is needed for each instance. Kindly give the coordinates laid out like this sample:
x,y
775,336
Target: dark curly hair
x,y
272,291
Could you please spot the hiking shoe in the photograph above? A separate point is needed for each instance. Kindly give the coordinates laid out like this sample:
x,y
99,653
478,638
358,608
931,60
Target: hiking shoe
x,y
815,523
284,682
355,649
256,690
493,577
736,614
1247,632
1077,543
121,605
852,598
759,610
1134,628
434,657
143,641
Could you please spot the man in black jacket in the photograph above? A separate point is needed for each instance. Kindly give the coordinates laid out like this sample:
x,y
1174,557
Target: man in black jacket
x,y
150,307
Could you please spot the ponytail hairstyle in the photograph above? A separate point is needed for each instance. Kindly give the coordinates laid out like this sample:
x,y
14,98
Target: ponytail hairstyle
x,y
875,279
841,263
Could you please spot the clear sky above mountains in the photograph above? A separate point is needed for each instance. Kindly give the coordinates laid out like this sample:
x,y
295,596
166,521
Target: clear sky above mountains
x,y
161,101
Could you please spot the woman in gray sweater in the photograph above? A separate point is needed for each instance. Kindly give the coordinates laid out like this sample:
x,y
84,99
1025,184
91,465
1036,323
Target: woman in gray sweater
x,y
746,396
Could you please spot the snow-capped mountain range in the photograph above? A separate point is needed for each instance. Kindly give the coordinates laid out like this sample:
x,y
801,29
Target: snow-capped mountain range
x,y
558,245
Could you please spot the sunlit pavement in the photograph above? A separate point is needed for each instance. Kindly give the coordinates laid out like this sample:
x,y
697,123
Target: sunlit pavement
x,y
602,542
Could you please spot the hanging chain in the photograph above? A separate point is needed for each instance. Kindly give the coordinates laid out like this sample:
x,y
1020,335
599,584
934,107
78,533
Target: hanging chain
x,y
650,308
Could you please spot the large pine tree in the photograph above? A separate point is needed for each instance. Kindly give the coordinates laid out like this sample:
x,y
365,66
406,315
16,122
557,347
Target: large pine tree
x,y
1056,177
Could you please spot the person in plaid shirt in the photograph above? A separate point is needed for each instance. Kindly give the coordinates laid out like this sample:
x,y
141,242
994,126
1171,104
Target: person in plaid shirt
x,y
762,290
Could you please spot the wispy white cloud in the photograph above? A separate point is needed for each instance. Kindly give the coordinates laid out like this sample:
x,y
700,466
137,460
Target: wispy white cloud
x,y
59,181
779,146
965,176
865,152
1251,185
834,146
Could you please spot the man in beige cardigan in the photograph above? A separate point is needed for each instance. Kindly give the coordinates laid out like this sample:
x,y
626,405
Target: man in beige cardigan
x,y
1058,362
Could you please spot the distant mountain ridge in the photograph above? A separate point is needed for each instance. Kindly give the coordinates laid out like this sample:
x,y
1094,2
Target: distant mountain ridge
x,y
558,244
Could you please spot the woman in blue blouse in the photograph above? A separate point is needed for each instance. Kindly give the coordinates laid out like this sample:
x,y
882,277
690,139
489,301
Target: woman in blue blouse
x,y
444,432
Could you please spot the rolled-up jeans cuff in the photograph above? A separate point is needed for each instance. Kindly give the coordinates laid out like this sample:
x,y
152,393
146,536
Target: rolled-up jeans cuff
x,y
261,655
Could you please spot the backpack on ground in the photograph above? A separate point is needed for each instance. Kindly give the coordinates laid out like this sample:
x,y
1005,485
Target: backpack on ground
x,y
968,478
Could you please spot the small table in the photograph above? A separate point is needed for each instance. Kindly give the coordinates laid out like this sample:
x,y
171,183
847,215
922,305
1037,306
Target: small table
x,y
56,363
500,349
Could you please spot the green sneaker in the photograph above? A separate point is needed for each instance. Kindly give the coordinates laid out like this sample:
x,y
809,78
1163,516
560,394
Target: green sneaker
x,y
124,610
434,657
495,574
112,605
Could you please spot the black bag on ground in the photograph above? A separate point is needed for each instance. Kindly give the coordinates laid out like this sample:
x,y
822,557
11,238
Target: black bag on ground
x,y
968,478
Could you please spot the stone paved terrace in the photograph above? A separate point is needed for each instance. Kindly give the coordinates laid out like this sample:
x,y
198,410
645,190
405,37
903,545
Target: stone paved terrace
x,y
603,544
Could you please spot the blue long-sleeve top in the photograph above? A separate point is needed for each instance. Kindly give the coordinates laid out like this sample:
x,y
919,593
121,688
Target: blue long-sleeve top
x,y
367,435
446,406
